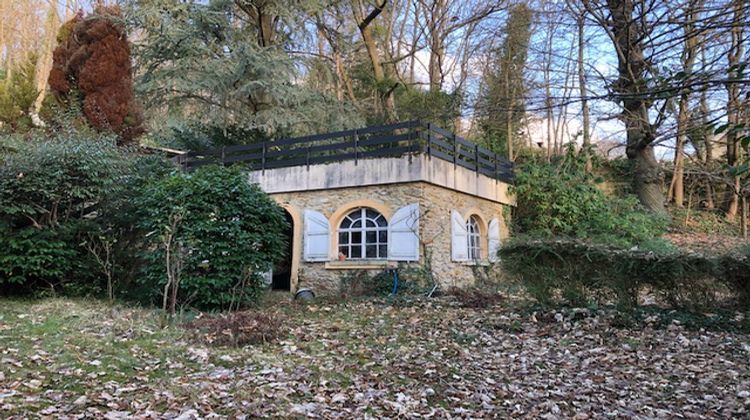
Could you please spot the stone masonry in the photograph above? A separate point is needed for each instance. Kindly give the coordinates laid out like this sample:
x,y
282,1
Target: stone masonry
x,y
436,203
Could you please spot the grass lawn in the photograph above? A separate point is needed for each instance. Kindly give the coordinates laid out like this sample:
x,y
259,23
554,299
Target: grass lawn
x,y
67,358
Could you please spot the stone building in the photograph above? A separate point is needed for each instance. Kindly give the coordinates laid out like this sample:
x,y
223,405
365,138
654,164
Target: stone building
x,y
378,198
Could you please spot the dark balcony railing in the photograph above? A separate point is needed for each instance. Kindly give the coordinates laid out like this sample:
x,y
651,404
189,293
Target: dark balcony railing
x,y
394,140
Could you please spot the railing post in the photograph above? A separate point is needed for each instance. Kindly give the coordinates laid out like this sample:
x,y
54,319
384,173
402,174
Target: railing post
x,y
223,154
429,140
263,158
494,157
476,159
307,156
356,147
455,151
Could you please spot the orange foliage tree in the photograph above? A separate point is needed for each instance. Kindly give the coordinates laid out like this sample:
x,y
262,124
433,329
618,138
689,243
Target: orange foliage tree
x,y
92,64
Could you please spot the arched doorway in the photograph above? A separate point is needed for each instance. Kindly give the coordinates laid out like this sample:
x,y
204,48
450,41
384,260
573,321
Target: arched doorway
x,y
282,270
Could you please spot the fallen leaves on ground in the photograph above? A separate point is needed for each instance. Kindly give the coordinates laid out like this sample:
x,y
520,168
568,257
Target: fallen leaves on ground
x,y
707,244
70,358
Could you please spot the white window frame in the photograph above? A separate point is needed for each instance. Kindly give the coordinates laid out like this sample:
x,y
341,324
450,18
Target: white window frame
x,y
474,247
361,214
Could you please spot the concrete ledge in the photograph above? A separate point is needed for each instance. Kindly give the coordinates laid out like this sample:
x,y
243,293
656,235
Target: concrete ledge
x,y
378,171
360,265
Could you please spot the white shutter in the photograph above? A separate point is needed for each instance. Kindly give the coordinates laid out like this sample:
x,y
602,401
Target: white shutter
x,y
403,234
317,236
459,238
493,235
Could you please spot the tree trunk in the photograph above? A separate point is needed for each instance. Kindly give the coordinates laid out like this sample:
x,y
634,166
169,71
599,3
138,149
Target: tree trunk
x,y
734,57
548,93
708,155
363,22
509,125
628,34
437,48
743,222
683,114
648,179
583,91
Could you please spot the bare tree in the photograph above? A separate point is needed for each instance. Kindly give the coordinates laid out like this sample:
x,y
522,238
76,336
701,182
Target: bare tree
x,y
689,53
629,26
735,55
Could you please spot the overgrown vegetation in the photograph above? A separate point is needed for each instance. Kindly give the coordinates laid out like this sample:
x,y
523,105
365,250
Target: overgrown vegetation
x,y
410,282
580,273
561,198
577,245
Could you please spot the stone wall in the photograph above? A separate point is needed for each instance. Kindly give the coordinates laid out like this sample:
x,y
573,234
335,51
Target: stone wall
x,y
435,204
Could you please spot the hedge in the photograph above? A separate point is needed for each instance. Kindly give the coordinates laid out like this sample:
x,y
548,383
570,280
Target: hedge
x,y
580,273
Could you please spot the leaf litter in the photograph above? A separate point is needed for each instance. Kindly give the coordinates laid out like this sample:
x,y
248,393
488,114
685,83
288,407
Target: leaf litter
x,y
434,359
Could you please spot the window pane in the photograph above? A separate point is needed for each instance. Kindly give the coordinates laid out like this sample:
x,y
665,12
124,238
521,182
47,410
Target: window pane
x,y
356,252
363,234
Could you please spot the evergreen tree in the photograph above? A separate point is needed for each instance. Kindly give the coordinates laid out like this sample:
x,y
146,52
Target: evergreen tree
x,y
17,95
91,70
226,64
500,107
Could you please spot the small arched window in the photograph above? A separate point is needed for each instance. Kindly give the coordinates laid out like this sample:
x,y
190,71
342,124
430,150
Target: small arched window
x,y
474,236
363,234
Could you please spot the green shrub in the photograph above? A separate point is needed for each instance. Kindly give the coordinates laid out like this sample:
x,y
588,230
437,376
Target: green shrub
x,y
561,199
210,234
581,273
49,191
117,227
33,258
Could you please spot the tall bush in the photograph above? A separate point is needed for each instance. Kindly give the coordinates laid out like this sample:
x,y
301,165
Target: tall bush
x,y
49,190
211,234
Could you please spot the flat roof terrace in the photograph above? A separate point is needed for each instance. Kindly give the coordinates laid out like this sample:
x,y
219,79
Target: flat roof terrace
x,y
412,151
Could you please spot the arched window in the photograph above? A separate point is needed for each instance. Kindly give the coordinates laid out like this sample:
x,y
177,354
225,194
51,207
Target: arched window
x,y
474,235
363,234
